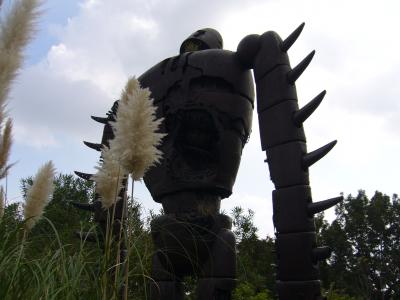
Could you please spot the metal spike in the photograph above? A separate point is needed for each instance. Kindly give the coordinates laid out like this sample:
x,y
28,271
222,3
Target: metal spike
x,y
85,176
302,114
83,206
87,236
316,155
317,207
94,146
295,73
321,253
100,119
289,41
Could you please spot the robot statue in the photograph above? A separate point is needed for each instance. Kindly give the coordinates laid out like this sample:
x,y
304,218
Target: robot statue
x,y
206,97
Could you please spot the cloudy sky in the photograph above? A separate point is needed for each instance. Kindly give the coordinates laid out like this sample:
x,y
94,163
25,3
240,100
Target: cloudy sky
x,y
85,50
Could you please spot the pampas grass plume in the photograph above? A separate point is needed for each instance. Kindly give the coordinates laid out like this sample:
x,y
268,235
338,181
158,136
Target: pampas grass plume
x,y
136,140
16,30
108,178
38,195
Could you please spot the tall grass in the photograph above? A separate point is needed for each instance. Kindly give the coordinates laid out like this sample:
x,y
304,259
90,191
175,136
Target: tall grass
x,y
43,266
54,274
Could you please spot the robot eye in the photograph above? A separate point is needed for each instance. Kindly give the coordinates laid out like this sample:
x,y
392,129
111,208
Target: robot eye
x,y
191,46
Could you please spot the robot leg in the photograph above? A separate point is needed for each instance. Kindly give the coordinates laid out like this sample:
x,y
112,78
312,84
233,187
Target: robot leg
x,y
164,285
218,275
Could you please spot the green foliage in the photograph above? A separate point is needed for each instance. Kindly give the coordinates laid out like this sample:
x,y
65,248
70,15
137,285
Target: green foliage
x,y
244,228
246,291
64,217
333,294
52,275
255,258
140,247
50,262
366,247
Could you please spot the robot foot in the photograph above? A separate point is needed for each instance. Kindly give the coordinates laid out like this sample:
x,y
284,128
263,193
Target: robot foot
x,y
166,290
215,288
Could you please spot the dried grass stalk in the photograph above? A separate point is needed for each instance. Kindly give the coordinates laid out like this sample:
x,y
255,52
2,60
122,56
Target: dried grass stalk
x,y
15,33
5,148
39,194
135,129
2,202
108,178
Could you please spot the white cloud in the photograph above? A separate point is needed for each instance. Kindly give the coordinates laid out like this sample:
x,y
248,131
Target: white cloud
x,y
50,107
42,138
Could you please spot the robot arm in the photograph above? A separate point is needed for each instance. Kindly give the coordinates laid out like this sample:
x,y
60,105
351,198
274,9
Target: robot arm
x,y
283,139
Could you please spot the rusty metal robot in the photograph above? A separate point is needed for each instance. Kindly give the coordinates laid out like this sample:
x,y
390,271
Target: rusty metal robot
x,y
206,97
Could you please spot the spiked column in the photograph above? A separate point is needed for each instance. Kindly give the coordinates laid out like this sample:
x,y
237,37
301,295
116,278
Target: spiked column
x,y
283,139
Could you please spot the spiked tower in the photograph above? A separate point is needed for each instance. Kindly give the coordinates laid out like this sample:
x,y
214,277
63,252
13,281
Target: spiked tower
x,y
283,138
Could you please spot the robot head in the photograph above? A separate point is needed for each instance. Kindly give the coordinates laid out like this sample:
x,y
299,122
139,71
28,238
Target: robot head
x,y
202,39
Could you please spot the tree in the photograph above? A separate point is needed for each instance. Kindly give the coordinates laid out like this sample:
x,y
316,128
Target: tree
x,y
366,246
255,258
59,213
